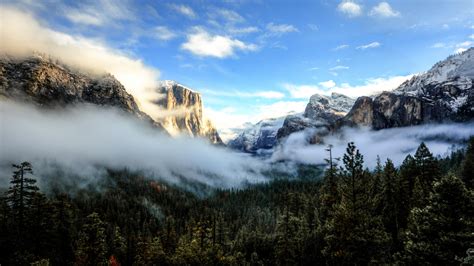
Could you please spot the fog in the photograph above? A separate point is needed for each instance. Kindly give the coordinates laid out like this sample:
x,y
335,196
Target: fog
x,y
394,143
81,142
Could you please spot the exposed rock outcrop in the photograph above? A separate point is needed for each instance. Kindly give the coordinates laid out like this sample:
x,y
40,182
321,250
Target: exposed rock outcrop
x,y
444,93
183,112
320,113
258,137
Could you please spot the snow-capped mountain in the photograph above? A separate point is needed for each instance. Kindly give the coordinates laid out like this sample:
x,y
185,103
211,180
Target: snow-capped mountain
x,y
444,93
257,137
321,112
182,112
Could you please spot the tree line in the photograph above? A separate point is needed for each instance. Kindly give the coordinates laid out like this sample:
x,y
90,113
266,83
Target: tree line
x,y
420,213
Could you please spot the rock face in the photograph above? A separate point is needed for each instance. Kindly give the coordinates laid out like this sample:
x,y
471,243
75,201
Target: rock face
x,y
47,83
182,112
444,93
258,137
320,113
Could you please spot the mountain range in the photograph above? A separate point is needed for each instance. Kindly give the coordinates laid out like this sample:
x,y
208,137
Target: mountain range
x,y
47,83
445,93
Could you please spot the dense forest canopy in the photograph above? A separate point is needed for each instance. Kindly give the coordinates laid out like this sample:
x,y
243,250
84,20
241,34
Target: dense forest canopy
x,y
419,213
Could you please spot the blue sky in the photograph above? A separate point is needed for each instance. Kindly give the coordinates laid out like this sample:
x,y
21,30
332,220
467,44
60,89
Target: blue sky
x,y
257,59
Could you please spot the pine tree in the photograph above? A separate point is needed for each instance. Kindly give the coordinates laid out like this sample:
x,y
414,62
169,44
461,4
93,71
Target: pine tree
x,y
20,194
390,202
467,170
354,235
427,168
441,232
329,195
91,247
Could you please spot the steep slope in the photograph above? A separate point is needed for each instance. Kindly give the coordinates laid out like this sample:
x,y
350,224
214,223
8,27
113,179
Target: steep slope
x,y
257,137
321,112
444,93
46,82
182,112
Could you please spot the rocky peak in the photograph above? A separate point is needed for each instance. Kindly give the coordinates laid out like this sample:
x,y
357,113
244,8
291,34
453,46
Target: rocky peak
x,y
183,112
257,137
321,112
47,82
444,93
328,108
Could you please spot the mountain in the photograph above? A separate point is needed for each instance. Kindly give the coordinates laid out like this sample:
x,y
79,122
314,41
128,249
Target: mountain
x,y
444,93
182,112
47,83
321,112
257,138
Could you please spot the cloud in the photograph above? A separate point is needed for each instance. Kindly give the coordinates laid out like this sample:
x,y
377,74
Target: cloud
x,y
328,84
394,143
100,13
227,15
202,43
25,35
229,122
369,46
280,29
245,30
79,17
463,46
340,47
438,45
336,68
471,36
350,8
163,33
85,140
184,10
369,87
254,94
301,91
383,10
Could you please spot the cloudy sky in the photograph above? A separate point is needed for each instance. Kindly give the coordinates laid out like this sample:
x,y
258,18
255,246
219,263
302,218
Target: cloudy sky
x,y
249,59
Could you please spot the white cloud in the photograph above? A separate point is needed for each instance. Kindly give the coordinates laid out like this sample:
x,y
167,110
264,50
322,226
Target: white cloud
x,y
328,84
100,13
464,44
471,36
79,17
163,33
280,29
369,87
460,50
281,108
340,47
350,8
24,35
86,140
393,143
384,10
227,15
201,43
445,26
336,68
184,10
254,94
369,46
245,30
438,45
302,91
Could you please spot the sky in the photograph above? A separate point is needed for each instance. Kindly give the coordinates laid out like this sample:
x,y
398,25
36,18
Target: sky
x,y
250,60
